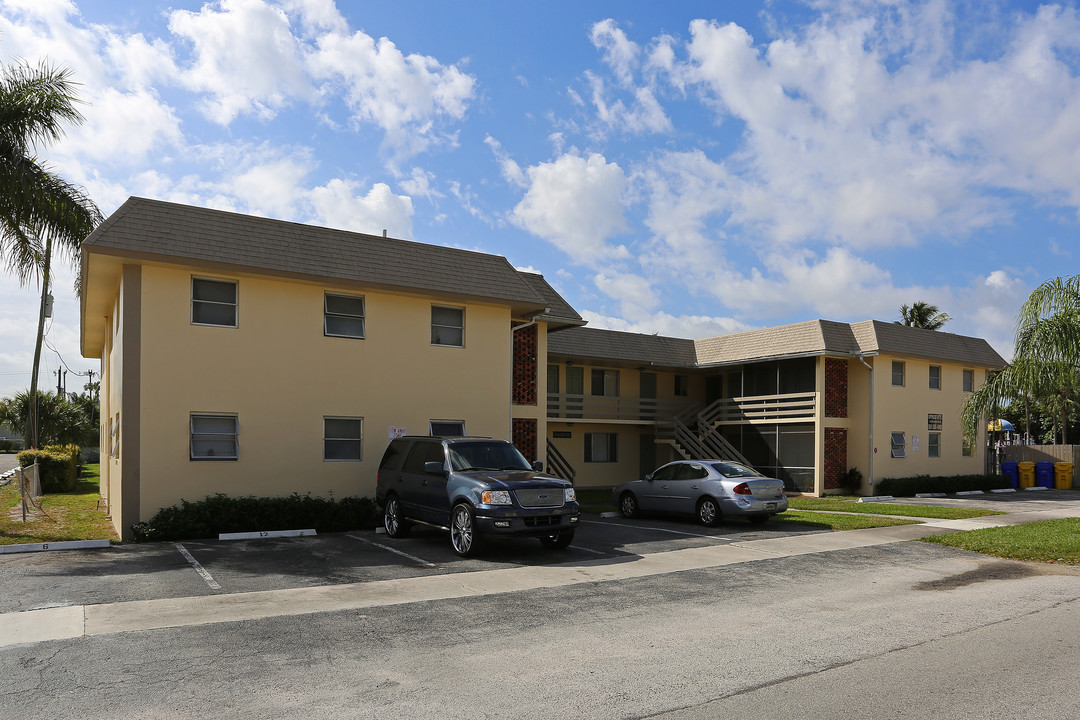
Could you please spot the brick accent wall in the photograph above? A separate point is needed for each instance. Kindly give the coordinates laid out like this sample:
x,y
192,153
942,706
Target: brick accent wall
x,y
524,391
525,437
836,388
835,457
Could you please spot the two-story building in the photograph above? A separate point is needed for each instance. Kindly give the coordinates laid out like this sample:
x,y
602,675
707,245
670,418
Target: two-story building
x,y
250,356
802,402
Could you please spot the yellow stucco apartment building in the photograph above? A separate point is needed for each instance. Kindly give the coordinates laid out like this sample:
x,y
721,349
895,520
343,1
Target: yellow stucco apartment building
x,y
250,356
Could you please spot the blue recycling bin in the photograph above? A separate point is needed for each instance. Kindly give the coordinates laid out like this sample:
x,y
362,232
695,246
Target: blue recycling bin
x,y
1011,471
1044,474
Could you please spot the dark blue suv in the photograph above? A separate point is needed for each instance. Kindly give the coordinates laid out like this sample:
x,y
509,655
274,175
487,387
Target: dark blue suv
x,y
473,487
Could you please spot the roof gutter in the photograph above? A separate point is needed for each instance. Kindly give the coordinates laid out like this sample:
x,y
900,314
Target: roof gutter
x,y
870,470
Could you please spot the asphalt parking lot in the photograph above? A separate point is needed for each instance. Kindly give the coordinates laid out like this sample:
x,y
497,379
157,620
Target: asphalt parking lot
x,y
195,568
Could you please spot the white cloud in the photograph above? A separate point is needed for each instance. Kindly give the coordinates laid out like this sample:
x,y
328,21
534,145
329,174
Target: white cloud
x,y
340,204
576,204
642,113
418,184
636,298
693,327
247,59
620,53
402,94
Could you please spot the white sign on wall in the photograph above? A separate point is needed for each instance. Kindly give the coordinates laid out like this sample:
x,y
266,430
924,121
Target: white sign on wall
x,y
396,431
914,443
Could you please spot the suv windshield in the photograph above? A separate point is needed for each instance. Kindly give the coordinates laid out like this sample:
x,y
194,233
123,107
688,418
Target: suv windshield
x,y
486,456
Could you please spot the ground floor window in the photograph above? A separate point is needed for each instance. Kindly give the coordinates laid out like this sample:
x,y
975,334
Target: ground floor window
x,y
448,428
784,451
933,445
214,437
601,447
343,438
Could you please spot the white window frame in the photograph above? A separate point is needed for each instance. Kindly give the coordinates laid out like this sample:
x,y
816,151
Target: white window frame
x,y
933,445
435,338
969,380
903,373
327,315
235,304
898,440
359,440
930,377
235,434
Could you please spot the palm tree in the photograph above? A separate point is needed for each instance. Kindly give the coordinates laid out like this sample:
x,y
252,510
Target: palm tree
x,y
38,208
922,315
1046,360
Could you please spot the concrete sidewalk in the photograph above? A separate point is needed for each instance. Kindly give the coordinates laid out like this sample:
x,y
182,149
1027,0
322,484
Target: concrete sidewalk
x,y
34,626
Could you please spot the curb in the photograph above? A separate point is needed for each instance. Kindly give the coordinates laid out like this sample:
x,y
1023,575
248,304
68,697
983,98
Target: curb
x,y
47,547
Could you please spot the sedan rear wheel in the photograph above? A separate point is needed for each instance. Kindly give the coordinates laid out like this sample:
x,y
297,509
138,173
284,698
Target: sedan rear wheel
x,y
628,505
708,512
463,530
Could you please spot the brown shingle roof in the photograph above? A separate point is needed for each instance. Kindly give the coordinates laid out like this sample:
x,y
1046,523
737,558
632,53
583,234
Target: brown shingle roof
x,y
814,337
611,345
884,337
170,232
559,313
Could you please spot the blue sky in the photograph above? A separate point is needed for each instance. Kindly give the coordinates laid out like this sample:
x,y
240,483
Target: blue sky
x,y
690,168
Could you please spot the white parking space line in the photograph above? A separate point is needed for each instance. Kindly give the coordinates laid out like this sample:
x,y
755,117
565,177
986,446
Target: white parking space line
x,y
415,559
590,550
654,529
198,568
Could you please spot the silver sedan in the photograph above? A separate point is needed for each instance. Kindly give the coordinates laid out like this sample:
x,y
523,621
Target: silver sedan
x,y
708,489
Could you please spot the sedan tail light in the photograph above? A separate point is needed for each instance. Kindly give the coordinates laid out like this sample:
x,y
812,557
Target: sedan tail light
x,y
742,489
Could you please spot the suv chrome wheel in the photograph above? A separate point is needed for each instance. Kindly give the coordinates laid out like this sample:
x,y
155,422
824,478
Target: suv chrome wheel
x,y
463,530
393,522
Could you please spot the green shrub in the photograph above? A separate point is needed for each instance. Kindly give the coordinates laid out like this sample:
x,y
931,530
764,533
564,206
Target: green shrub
x,y
220,514
909,486
58,466
7,445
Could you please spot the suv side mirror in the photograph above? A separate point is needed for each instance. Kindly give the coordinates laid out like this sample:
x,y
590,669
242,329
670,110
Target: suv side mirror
x,y
435,468
538,466
649,477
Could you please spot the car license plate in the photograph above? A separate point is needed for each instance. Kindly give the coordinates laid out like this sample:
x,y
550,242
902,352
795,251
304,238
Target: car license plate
x,y
770,506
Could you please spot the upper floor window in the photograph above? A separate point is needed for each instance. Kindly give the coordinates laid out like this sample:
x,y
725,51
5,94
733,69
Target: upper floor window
x,y
214,437
213,302
969,380
898,373
935,377
682,385
447,326
343,316
605,382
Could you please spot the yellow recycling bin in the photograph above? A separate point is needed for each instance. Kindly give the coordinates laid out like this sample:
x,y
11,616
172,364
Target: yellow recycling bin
x,y
1026,471
1063,476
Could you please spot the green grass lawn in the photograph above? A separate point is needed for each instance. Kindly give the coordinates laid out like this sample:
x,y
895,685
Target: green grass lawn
x,y
1049,541
836,521
74,515
925,511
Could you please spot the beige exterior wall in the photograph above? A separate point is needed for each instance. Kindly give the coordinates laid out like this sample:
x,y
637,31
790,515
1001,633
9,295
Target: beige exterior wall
x,y
905,409
632,432
281,376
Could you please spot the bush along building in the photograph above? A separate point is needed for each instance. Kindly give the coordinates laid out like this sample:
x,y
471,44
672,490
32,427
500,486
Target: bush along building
x,y
248,356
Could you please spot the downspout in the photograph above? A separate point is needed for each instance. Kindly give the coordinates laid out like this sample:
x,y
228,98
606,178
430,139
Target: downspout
x,y
514,329
870,471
